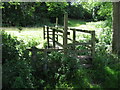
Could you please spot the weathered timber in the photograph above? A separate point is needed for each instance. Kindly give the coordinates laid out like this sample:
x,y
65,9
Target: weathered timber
x,y
56,22
74,38
53,38
78,44
48,37
59,44
85,31
44,32
65,32
93,44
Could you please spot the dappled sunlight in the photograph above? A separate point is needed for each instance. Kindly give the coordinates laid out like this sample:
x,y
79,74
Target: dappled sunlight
x,y
75,22
64,45
27,35
109,70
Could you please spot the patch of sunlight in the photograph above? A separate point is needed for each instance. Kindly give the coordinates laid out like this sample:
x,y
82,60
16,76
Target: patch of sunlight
x,y
95,86
87,27
75,22
41,45
27,34
109,70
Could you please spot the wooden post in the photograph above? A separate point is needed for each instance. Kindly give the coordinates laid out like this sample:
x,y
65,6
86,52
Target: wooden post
x,y
56,22
44,32
34,53
56,27
57,36
74,38
57,33
53,38
46,61
93,44
48,36
65,33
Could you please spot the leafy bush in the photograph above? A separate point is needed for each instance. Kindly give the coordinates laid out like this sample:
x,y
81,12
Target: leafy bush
x,y
17,74
56,70
106,69
10,47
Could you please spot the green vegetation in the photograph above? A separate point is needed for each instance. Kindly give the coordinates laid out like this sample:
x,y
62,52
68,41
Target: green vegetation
x,y
56,71
75,23
40,13
61,72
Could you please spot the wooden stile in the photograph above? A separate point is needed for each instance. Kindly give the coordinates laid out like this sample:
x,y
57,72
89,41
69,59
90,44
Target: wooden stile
x,y
56,32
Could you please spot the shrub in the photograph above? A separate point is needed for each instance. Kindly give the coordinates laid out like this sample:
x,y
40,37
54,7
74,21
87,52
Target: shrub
x,y
17,74
106,69
9,48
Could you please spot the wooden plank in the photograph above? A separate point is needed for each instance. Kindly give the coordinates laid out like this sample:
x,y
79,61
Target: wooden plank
x,y
79,51
56,30
60,35
79,44
58,27
49,31
50,49
59,44
51,34
85,31
61,27
70,39
53,50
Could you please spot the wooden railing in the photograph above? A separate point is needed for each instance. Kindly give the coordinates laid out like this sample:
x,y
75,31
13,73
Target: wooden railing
x,y
57,32
92,41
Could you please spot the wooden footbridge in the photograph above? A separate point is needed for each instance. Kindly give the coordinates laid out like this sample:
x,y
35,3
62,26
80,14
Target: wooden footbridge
x,y
52,35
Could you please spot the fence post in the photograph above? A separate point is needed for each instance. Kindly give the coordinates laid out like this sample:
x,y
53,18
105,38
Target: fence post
x,y
34,53
57,37
44,32
74,38
53,38
56,27
65,33
48,36
56,21
93,44
57,34
46,61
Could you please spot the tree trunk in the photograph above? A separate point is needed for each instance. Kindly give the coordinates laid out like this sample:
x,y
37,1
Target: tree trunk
x,y
116,28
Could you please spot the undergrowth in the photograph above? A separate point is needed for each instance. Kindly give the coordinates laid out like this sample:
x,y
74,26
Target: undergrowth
x,y
56,70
